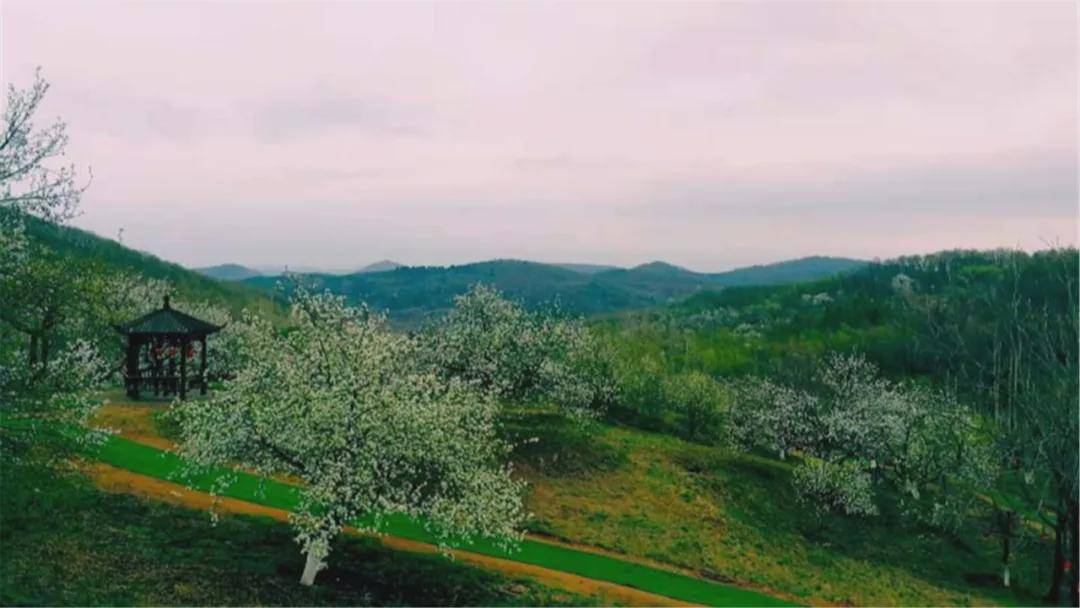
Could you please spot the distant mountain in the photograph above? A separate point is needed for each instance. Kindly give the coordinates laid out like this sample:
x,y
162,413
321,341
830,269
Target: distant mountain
x,y
587,268
278,270
410,293
380,266
791,271
228,272
655,282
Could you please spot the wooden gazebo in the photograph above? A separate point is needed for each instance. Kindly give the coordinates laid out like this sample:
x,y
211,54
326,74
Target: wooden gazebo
x,y
159,345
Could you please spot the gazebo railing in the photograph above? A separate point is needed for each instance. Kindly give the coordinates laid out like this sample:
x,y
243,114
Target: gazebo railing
x,y
163,384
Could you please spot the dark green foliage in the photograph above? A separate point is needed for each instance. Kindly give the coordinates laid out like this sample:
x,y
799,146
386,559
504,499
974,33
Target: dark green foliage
x,y
411,293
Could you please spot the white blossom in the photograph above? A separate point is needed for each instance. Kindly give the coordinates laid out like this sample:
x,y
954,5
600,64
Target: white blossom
x,y
341,403
496,345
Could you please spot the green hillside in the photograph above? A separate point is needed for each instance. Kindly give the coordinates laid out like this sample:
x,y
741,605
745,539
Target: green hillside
x,y
110,255
411,293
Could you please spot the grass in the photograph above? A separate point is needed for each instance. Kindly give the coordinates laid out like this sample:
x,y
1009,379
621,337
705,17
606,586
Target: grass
x,y
735,518
67,543
149,461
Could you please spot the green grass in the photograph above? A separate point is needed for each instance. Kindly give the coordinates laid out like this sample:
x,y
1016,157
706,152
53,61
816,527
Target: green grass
x,y
66,543
164,465
735,517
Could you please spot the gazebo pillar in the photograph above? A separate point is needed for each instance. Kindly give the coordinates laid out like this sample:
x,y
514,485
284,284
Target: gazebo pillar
x,y
183,367
131,374
202,366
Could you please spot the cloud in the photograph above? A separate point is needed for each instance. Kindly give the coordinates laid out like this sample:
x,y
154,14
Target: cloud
x,y
1045,182
704,133
314,114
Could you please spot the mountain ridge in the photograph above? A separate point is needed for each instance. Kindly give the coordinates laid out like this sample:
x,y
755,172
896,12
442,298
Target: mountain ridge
x,y
411,293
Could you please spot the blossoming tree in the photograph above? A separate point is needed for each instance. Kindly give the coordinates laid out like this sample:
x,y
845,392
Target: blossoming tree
x,y
496,345
338,402
39,381
855,428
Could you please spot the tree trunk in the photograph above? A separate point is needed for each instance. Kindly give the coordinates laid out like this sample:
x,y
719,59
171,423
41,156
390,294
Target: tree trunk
x,y
1074,533
1005,520
311,568
33,353
1053,596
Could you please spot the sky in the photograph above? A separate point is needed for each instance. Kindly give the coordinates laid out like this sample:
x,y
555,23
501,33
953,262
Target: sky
x,y
708,134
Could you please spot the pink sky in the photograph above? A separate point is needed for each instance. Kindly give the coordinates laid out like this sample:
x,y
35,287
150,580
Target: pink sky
x,y
710,135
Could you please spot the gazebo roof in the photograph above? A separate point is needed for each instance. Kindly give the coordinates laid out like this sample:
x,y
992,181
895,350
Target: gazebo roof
x,y
167,320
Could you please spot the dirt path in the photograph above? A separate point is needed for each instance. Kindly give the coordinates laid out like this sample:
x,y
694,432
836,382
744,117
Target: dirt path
x,y
115,479
134,422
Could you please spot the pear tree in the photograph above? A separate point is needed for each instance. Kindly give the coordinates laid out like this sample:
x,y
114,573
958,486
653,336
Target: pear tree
x,y
340,403
498,346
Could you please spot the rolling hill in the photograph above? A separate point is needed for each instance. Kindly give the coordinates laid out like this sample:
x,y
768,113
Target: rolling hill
x,y
239,272
228,272
111,255
380,266
791,271
410,293
280,269
587,268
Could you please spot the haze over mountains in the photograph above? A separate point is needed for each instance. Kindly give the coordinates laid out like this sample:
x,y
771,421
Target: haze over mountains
x,y
239,272
412,292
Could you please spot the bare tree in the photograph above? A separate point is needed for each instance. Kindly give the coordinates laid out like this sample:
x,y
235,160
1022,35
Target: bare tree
x,y
28,181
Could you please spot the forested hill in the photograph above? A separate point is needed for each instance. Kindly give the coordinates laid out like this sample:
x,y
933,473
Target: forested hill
x,y
228,272
790,271
410,293
110,255
877,310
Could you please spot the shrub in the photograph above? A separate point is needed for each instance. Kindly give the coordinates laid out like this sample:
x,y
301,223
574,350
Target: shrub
x,y
701,401
835,487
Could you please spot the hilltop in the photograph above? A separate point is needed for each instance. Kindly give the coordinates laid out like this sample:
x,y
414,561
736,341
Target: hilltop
x,y
111,255
228,272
